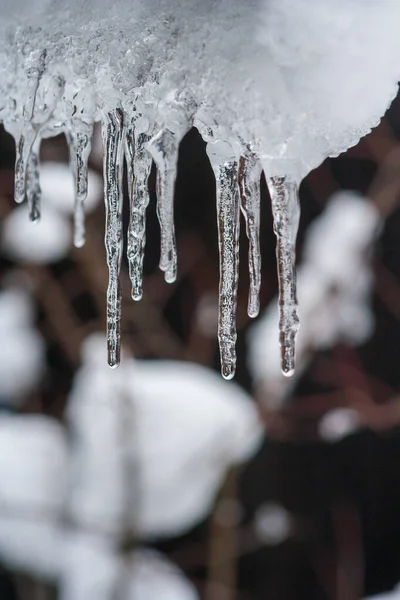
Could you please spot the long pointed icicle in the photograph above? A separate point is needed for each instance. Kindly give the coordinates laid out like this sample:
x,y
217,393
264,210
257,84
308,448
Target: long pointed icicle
x,y
228,218
164,148
139,162
33,191
79,140
113,137
249,182
286,214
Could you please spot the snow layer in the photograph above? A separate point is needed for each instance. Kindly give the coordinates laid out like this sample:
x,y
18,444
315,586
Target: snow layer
x,y
278,84
288,87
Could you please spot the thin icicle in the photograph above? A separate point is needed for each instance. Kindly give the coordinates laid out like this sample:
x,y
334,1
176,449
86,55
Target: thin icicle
x,y
23,150
286,214
228,219
113,138
249,182
79,139
139,162
130,156
164,148
33,191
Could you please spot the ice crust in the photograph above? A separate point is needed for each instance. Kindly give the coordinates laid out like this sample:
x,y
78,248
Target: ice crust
x,y
285,82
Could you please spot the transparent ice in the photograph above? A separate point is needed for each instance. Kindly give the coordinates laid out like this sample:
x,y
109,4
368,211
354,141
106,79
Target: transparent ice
x,y
79,143
113,136
272,85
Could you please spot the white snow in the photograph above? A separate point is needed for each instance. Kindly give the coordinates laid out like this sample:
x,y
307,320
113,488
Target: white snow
x,y
31,544
338,423
33,462
155,577
38,537
392,595
169,429
272,523
46,241
57,186
33,467
309,78
93,571
22,350
90,567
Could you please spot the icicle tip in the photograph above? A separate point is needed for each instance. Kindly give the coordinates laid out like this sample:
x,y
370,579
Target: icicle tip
x,y
228,371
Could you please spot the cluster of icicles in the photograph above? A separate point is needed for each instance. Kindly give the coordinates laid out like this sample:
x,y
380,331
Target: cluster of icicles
x,y
237,170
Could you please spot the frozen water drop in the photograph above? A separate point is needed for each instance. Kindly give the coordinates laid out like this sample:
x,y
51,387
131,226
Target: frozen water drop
x,y
228,369
249,182
228,218
113,137
164,148
288,373
286,214
79,138
138,161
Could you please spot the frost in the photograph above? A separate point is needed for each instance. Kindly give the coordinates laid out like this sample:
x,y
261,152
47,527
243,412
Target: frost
x,y
263,82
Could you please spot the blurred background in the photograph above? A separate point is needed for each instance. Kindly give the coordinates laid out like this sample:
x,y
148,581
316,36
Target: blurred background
x,y
160,480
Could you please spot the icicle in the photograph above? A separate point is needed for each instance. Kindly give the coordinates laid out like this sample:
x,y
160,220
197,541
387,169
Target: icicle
x,y
249,182
33,191
228,218
139,162
113,134
23,150
164,149
79,139
286,213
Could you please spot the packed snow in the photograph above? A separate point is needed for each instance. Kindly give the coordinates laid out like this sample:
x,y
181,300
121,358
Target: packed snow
x,y
307,79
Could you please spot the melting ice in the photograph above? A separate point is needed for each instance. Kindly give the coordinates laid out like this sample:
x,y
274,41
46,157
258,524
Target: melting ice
x,y
262,81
